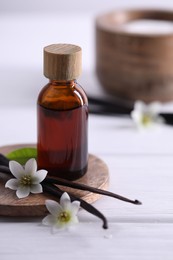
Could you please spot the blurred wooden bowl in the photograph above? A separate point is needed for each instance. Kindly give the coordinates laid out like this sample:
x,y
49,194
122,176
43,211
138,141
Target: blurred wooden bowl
x,y
134,66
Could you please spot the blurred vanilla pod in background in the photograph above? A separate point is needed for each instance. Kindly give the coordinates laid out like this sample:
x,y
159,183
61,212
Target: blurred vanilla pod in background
x,y
104,107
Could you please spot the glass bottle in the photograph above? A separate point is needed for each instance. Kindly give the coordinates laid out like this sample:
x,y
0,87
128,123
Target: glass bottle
x,y
62,115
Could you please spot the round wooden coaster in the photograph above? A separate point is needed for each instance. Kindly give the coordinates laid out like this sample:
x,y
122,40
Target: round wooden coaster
x,y
97,176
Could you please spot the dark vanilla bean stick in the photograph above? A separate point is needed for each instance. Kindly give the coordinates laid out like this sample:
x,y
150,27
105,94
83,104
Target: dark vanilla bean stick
x,y
80,186
4,160
5,169
54,190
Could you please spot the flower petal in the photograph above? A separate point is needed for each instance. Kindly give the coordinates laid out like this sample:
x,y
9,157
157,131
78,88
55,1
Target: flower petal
x,y
39,176
136,116
49,220
74,220
16,169
75,206
140,106
36,188
12,184
65,201
31,166
60,225
23,192
160,120
63,225
154,107
53,207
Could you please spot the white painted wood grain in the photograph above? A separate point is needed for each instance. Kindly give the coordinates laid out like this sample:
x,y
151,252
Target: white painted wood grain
x,y
123,241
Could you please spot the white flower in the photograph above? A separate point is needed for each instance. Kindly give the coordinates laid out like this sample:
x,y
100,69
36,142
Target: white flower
x,y
27,179
146,116
63,214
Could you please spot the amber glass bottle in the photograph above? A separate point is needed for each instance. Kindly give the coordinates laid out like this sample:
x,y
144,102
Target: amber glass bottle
x,y
62,115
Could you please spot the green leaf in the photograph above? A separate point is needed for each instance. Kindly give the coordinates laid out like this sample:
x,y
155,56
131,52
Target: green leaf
x,y
22,155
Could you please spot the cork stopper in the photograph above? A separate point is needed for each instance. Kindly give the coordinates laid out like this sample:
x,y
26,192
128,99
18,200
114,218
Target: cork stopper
x,y
62,61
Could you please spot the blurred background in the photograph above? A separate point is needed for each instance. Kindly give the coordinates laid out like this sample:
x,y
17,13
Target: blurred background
x,y
27,26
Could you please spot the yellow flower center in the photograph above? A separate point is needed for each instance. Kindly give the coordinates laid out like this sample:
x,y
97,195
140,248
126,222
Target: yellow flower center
x,y
26,180
146,119
64,216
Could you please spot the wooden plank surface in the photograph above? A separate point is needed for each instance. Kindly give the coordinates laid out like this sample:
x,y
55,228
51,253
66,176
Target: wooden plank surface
x,y
132,241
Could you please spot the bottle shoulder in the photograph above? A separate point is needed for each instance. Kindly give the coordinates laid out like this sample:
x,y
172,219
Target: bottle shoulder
x,y
62,96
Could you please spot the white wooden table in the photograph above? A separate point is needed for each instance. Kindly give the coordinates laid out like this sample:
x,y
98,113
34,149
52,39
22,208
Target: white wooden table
x,y
141,167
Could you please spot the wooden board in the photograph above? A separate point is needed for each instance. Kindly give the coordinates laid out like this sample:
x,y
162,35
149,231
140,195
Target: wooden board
x,y
34,205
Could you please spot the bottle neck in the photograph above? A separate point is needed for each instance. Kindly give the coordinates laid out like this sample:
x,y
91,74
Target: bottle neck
x,y
69,83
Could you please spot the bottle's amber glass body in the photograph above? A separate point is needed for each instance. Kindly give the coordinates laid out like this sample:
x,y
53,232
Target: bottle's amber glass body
x,y
62,116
